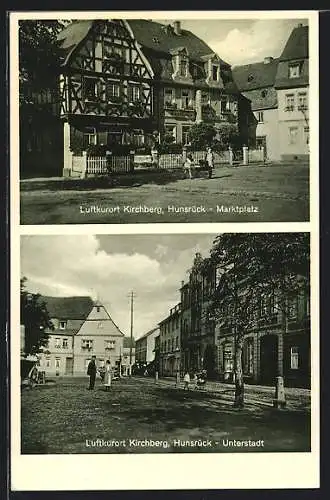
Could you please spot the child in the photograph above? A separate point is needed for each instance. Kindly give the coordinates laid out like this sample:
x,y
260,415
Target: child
x,y
186,380
107,375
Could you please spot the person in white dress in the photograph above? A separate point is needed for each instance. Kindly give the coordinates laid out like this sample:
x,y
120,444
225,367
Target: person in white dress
x,y
107,376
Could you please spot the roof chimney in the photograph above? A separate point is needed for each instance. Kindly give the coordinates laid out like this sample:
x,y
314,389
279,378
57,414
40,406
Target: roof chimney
x,y
268,60
177,27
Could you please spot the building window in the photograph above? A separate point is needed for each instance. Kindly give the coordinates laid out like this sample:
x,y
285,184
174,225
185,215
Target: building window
x,y
184,99
90,136
292,307
293,135
112,91
183,67
57,344
306,135
260,116
86,344
171,130
57,363
109,344
205,98
302,101
294,358
100,325
176,342
264,93
228,362
90,87
185,135
248,356
134,93
169,99
294,70
289,102
65,343
62,325
215,72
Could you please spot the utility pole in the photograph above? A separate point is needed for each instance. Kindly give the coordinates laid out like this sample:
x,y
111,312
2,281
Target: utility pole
x,y
131,338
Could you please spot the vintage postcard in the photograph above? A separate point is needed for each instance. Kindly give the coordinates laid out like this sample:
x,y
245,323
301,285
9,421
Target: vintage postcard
x,y
164,250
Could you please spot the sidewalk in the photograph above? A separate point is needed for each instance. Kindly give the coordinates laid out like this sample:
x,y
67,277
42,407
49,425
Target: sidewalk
x,y
297,399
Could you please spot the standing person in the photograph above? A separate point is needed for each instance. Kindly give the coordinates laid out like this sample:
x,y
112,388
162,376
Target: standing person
x,y
195,381
107,375
91,371
188,164
186,380
209,160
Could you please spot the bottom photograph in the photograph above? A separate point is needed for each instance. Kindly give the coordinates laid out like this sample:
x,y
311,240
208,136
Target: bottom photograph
x,y
175,343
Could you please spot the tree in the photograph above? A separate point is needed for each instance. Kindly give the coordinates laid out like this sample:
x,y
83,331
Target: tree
x,y
36,320
227,135
252,268
39,56
201,135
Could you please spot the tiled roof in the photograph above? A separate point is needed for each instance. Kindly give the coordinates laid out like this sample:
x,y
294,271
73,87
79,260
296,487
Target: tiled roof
x,y
256,75
150,332
161,38
68,307
297,45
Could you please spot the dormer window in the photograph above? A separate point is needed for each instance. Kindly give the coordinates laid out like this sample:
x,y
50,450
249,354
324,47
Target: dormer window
x,y
295,70
215,72
62,325
183,67
155,39
250,78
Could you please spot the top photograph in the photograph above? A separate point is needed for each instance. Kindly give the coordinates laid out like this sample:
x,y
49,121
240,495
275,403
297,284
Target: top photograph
x,y
153,120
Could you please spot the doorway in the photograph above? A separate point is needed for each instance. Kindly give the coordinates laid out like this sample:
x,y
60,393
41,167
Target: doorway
x,y
69,366
268,359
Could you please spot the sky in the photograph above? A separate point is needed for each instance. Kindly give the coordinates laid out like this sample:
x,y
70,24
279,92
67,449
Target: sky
x,y
243,41
110,267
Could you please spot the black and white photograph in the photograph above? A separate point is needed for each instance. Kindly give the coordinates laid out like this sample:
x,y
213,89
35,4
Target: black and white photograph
x,y
164,250
163,120
165,344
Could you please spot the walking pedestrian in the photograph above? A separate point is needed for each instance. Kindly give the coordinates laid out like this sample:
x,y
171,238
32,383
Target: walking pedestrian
x,y
195,380
209,160
186,380
187,165
91,371
107,376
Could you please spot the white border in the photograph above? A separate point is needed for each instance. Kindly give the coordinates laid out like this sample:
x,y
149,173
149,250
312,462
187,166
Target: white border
x,y
163,471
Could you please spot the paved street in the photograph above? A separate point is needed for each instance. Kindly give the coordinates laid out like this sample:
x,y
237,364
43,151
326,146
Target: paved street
x,y
274,193
139,416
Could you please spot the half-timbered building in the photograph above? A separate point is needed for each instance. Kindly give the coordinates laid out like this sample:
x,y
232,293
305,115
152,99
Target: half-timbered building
x,y
106,86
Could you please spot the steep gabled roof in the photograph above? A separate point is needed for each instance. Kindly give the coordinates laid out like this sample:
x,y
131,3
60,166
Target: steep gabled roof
x,y
161,38
255,76
68,307
297,45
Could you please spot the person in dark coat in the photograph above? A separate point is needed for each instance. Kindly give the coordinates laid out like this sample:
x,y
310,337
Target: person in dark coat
x,y
91,371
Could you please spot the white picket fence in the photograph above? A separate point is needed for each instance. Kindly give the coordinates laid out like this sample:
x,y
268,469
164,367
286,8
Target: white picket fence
x,y
90,166
96,166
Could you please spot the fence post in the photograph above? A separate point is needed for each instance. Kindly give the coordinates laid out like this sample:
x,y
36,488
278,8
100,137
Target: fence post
x,y
245,155
154,154
231,156
262,154
84,165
